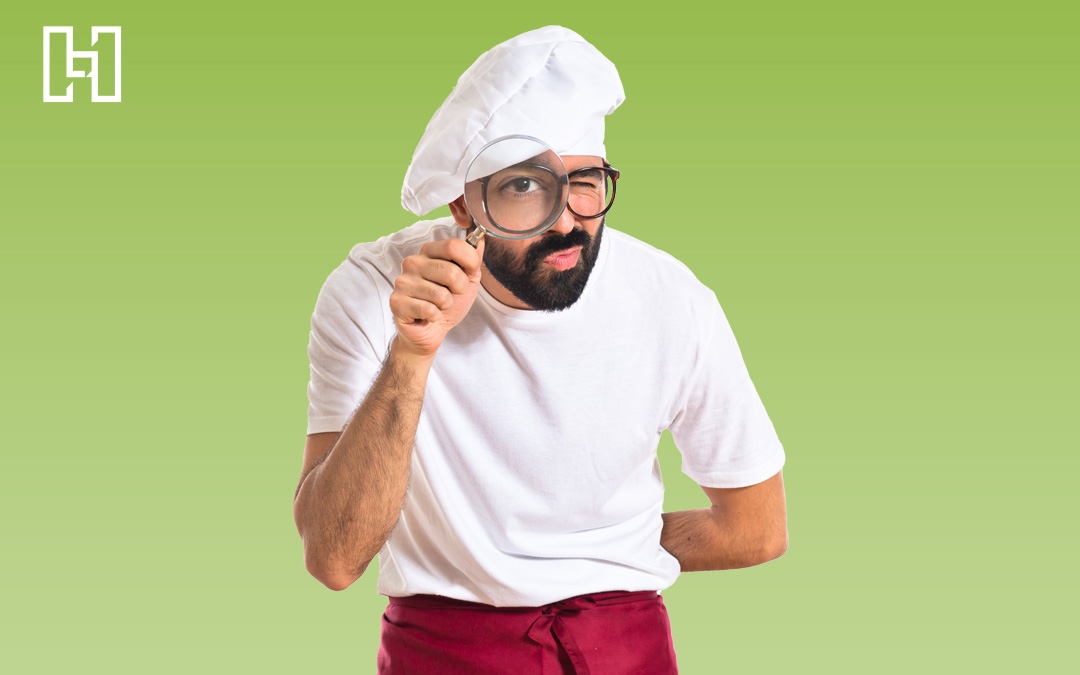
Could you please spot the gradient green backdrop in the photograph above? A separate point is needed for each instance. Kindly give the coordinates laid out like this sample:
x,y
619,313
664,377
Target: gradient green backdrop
x,y
884,198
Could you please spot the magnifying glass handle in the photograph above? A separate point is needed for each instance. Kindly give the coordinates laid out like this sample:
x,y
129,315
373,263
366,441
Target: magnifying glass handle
x,y
474,237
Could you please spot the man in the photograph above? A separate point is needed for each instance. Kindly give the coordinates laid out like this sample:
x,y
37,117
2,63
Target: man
x,y
502,460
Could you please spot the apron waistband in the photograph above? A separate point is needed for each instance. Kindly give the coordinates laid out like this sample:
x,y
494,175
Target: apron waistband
x,y
549,629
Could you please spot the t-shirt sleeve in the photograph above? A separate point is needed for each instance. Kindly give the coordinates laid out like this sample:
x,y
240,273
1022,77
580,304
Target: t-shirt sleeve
x,y
721,428
346,346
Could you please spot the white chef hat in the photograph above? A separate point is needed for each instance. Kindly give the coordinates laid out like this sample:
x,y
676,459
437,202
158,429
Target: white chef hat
x,y
548,83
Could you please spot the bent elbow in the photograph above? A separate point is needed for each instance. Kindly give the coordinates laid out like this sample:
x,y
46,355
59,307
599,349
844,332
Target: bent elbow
x,y
779,546
335,580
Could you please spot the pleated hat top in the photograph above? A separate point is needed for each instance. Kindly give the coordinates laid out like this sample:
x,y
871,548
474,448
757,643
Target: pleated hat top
x,y
549,83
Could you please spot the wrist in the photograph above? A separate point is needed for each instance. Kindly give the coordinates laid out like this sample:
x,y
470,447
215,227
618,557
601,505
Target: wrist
x,y
401,351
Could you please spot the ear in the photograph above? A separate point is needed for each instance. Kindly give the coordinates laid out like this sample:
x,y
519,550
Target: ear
x,y
460,213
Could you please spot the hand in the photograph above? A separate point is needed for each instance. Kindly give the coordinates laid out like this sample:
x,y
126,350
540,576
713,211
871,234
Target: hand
x,y
436,288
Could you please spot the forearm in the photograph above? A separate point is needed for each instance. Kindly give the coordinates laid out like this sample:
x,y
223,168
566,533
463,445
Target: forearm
x,y
348,504
704,539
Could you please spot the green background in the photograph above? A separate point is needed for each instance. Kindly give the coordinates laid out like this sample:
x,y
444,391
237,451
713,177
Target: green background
x,y
884,199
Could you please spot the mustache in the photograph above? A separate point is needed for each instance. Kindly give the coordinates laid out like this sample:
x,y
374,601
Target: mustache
x,y
553,243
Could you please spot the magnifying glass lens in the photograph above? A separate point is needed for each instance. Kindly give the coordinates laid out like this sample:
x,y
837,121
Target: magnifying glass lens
x,y
516,187
521,198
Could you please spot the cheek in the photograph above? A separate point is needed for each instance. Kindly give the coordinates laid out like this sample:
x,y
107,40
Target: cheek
x,y
514,249
505,251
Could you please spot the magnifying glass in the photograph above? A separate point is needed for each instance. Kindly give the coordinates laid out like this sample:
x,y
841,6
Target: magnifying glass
x,y
515,188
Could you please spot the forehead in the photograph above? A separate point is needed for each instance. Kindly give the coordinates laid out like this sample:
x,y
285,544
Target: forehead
x,y
572,162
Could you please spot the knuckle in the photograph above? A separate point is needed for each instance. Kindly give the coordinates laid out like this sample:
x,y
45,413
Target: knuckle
x,y
444,298
411,264
397,304
459,283
457,247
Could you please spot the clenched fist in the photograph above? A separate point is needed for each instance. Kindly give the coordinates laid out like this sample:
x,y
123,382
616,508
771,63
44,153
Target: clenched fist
x,y
436,288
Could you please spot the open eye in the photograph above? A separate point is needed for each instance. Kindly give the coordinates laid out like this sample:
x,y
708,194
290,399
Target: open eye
x,y
520,185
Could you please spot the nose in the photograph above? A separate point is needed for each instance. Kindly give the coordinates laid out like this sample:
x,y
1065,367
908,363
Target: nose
x,y
565,223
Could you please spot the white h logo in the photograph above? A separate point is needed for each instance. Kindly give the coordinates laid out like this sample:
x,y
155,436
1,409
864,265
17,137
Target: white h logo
x,y
68,96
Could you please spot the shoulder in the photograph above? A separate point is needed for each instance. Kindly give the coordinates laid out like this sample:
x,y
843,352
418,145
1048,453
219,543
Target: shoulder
x,y
364,280
379,262
382,257
655,272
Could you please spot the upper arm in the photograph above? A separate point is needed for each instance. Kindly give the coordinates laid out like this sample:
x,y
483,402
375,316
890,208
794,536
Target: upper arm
x,y
759,509
346,347
718,422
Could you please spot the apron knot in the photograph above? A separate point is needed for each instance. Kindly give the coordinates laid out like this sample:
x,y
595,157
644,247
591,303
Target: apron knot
x,y
549,626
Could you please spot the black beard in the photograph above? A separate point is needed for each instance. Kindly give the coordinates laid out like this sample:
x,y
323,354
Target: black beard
x,y
545,289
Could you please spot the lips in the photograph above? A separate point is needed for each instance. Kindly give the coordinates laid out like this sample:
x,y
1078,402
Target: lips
x,y
563,260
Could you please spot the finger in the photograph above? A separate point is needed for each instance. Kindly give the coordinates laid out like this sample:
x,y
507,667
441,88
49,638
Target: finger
x,y
457,251
423,289
445,273
408,309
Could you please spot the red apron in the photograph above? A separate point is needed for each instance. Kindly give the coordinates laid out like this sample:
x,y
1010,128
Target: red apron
x,y
612,633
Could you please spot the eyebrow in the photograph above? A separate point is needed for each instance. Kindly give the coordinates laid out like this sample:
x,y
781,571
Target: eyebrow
x,y
588,172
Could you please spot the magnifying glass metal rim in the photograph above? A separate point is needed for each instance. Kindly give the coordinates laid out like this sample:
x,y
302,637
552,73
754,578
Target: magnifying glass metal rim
x,y
478,229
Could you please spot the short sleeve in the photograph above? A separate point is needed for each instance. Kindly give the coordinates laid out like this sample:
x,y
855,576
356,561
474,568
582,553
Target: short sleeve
x,y
346,346
721,428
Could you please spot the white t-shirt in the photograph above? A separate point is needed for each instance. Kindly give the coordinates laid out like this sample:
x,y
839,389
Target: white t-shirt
x,y
534,474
